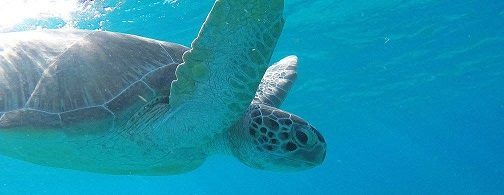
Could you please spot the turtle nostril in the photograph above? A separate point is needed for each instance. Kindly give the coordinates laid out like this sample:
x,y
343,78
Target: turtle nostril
x,y
319,136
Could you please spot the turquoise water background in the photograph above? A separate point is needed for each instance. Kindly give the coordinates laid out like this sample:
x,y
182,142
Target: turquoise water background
x,y
408,94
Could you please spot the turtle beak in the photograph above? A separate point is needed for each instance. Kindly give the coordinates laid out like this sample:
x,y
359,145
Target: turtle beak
x,y
312,157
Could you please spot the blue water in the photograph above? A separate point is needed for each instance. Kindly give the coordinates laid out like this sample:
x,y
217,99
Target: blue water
x,y
408,94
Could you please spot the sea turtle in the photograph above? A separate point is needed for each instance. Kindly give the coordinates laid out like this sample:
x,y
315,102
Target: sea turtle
x,y
122,104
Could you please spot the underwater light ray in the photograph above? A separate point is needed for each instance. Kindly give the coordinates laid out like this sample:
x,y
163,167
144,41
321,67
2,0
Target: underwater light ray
x,y
15,12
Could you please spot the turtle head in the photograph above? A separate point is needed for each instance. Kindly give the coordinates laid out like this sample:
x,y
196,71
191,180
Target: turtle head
x,y
272,139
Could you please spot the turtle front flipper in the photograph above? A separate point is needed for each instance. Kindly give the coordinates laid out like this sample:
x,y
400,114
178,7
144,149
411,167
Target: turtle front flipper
x,y
277,82
222,71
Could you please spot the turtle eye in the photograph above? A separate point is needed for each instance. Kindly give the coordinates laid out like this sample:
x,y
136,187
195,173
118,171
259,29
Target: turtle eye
x,y
305,136
301,137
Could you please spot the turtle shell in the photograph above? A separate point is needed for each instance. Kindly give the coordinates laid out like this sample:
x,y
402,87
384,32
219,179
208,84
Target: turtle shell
x,y
80,81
